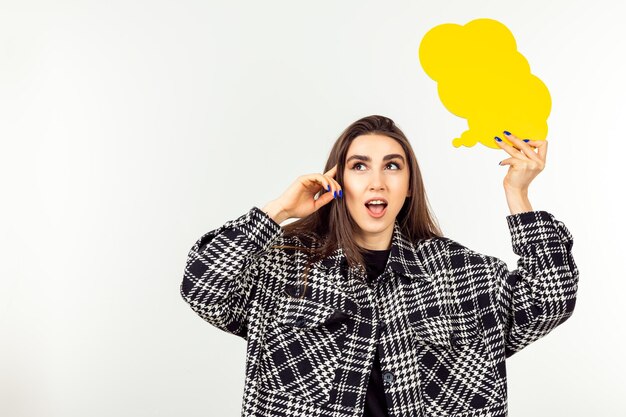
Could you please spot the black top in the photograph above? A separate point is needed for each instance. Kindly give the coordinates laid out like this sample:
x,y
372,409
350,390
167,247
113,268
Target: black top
x,y
375,403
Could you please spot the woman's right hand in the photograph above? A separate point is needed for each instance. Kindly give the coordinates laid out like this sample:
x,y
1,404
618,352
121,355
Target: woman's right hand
x,y
299,199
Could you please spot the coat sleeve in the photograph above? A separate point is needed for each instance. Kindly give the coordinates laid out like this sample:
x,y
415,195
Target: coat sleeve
x,y
221,274
541,293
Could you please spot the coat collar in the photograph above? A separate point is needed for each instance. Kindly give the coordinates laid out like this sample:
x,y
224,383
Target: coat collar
x,y
405,258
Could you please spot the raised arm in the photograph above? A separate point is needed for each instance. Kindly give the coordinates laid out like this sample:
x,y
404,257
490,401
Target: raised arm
x,y
221,276
541,293
223,269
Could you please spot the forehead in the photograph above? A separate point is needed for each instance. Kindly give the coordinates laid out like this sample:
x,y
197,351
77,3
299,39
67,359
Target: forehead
x,y
375,146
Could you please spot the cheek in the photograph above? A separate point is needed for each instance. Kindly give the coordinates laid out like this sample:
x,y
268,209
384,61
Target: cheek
x,y
354,181
351,200
404,183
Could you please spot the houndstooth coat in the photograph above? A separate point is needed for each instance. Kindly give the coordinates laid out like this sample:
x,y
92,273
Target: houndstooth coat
x,y
443,317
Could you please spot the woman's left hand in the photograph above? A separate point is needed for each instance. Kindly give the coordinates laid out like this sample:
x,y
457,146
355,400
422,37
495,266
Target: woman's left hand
x,y
527,160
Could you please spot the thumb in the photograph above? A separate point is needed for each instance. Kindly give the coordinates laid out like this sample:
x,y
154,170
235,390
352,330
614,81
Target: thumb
x,y
323,199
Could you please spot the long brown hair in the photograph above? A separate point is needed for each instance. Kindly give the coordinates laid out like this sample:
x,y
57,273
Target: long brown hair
x,y
332,226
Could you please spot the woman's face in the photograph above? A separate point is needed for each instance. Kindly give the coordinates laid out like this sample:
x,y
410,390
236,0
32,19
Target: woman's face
x,y
375,168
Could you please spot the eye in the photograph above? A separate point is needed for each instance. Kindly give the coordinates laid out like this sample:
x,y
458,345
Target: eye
x,y
354,167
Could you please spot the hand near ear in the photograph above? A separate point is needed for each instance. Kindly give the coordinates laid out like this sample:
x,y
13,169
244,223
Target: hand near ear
x,y
299,199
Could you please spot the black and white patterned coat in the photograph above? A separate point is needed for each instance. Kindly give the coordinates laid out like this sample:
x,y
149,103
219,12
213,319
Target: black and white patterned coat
x,y
443,317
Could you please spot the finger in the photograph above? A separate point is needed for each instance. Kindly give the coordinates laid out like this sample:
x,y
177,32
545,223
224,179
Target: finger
x,y
336,187
331,186
514,152
542,148
331,172
521,145
508,161
317,180
322,200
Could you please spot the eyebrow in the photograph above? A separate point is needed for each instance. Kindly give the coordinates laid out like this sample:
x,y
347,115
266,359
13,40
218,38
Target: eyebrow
x,y
368,159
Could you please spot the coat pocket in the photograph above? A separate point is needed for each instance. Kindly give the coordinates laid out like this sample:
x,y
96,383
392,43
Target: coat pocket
x,y
446,331
455,369
302,348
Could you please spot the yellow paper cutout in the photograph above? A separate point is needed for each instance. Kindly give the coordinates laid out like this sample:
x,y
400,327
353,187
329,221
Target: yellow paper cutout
x,y
482,77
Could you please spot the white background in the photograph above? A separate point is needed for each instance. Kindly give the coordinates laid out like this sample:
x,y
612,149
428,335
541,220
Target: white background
x,y
131,128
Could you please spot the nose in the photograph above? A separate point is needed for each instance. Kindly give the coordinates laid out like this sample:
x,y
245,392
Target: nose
x,y
376,183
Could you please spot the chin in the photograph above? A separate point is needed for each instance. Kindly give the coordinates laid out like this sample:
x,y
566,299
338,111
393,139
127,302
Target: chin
x,y
375,225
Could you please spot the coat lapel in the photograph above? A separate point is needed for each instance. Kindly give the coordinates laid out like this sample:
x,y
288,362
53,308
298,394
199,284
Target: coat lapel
x,y
414,260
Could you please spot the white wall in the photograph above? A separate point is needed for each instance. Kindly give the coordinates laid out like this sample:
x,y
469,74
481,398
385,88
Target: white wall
x,y
130,128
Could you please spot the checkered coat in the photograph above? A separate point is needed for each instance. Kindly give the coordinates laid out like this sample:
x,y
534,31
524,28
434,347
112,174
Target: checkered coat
x,y
443,317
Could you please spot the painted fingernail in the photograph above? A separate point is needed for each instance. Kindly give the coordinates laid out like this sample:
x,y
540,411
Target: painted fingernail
x,y
340,193
526,140
507,133
328,188
500,163
334,194
498,139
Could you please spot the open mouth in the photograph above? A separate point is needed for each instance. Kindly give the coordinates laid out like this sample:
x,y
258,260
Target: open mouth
x,y
376,207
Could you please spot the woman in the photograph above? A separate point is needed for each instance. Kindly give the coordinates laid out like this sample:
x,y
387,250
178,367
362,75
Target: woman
x,y
362,307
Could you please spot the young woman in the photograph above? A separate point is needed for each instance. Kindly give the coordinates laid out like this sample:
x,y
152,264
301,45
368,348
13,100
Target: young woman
x,y
361,307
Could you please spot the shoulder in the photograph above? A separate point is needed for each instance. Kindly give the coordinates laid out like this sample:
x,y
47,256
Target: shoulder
x,y
287,248
461,255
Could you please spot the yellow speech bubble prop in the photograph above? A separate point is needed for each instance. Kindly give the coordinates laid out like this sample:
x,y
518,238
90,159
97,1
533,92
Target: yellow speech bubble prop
x,y
482,77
